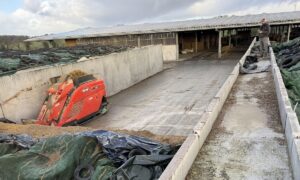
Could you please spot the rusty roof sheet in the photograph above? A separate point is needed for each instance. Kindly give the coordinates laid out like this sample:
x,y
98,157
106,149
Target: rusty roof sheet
x,y
221,22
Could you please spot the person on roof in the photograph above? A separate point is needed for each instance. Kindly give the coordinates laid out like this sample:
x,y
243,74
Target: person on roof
x,y
264,32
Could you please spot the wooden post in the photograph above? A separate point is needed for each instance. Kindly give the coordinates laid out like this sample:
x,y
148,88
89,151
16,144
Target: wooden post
x,y
229,43
220,44
288,34
208,41
126,40
196,41
139,41
151,38
177,47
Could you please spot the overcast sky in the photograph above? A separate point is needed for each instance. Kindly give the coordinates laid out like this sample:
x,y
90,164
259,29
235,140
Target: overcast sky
x,y
38,17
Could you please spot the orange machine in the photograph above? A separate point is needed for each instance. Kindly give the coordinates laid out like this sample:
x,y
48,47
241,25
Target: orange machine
x,y
76,99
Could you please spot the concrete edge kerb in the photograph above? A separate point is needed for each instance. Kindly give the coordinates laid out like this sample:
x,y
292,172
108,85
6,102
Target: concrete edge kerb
x,y
289,118
179,166
283,99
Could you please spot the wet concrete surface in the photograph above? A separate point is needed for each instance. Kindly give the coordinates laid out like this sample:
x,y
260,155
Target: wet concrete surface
x,y
247,140
169,103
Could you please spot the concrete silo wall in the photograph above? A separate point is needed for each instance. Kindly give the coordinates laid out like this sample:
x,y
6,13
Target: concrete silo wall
x,y
22,94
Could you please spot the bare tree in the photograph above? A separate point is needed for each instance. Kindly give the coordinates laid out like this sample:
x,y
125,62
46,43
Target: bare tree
x,y
7,41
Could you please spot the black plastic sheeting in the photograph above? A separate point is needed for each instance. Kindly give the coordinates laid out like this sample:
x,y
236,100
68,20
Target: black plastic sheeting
x,y
138,158
118,146
133,157
144,167
24,141
252,65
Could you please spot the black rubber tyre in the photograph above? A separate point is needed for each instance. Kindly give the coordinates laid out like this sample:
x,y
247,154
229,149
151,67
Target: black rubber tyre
x,y
289,62
104,106
84,167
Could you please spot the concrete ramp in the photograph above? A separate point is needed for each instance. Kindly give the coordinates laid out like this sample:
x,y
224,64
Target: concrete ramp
x,y
247,140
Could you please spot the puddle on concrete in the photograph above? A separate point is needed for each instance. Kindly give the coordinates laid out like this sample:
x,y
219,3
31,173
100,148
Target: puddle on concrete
x,y
244,118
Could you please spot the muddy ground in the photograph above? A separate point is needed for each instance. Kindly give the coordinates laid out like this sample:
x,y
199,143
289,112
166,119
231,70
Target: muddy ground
x,y
247,140
38,131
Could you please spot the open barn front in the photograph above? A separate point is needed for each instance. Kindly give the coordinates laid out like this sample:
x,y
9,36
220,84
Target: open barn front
x,y
213,42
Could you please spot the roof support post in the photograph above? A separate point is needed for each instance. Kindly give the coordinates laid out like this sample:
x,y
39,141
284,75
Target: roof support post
x,y
151,38
196,41
126,40
177,46
139,41
220,44
208,41
288,33
229,39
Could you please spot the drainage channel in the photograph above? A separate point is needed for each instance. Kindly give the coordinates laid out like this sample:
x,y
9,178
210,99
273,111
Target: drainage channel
x,y
247,140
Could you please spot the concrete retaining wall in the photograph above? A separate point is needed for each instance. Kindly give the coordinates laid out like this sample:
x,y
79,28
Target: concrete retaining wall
x,y
169,52
22,94
289,119
179,167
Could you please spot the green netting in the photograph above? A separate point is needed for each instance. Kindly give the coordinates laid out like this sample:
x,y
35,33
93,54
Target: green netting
x,y
36,57
286,45
6,148
54,158
292,83
9,63
104,169
295,67
288,59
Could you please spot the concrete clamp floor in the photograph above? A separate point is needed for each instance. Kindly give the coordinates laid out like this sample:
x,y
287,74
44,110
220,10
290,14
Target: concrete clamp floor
x,y
181,163
169,103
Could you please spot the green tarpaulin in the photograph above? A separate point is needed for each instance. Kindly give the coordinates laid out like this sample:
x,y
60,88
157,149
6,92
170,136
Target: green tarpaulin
x,y
92,155
54,158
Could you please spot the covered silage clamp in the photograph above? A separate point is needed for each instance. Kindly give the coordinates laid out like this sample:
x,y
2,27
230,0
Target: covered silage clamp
x,y
89,155
288,60
12,61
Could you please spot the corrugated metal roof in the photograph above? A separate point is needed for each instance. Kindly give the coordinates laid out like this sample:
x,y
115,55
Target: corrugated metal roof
x,y
198,24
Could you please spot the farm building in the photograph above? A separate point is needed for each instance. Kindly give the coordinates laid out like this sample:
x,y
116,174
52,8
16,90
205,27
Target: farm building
x,y
190,36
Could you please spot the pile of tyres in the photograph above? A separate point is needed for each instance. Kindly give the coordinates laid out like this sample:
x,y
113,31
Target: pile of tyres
x,y
13,61
288,59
